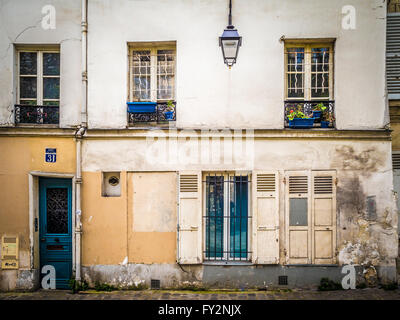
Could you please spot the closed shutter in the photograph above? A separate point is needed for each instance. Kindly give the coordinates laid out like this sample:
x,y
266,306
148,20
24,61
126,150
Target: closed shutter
x,y
393,55
298,217
324,217
189,218
266,218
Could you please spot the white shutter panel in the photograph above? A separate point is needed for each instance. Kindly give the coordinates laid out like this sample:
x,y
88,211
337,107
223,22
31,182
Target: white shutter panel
x,y
324,217
393,55
189,218
265,217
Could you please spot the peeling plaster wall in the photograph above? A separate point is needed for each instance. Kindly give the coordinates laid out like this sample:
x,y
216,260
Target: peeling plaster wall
x,y
20,23
363,169
251,94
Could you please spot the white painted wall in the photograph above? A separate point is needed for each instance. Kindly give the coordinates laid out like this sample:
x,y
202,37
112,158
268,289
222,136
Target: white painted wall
x,y
251,94
20,23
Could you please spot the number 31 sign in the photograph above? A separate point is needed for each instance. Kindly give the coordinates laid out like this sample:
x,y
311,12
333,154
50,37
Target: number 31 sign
x,y
51,155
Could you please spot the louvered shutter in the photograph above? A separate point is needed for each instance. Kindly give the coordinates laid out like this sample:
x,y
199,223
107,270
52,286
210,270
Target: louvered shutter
x,y
298,217
393,55
189,218
324,217
265,218
396,160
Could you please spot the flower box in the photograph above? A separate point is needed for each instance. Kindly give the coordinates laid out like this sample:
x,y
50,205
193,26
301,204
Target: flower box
x,y
169,115
300,123
325,124
141,107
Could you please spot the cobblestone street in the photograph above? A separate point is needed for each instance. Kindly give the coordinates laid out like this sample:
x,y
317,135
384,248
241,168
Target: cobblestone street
x,y
295,294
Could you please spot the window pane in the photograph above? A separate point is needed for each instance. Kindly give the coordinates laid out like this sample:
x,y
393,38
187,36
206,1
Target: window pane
x,y
320,85
28,87
51,64
298,212
214,217
165,74
28,102
295,59
141,68
51,88
238,216
27,63
295,85
51,103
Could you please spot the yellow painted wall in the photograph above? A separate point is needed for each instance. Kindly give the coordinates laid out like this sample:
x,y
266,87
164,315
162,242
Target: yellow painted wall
x,y
395,136
19,156
109,234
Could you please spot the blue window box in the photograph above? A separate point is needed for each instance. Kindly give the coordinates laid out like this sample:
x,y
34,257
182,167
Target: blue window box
x,y
142,107
301,123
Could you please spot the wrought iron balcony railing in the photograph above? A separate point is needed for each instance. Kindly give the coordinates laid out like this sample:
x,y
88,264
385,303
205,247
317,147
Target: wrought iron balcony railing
x,y
307,107
158,116
28,114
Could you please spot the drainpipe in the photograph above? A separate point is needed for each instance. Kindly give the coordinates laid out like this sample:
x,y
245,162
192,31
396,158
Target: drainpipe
x,y
78,137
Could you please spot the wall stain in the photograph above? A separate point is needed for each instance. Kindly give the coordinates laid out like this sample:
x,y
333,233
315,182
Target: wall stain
x,y
367,161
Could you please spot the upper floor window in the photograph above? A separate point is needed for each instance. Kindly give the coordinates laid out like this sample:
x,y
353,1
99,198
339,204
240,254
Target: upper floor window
x,y
39,78
309,71
152,73
38,86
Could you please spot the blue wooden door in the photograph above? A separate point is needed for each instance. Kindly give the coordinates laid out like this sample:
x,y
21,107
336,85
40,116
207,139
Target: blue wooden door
x,y
55,233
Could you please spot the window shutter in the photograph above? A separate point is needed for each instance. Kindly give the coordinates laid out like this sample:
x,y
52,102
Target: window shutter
x,y
189,218
324,217
265,217
298,217
393,55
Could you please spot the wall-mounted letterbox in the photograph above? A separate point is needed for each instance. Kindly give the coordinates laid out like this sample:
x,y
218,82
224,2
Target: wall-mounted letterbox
x,y
9,252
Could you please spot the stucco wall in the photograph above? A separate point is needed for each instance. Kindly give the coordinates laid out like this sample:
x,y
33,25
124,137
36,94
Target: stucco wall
x,y
251,94
21,23
18,157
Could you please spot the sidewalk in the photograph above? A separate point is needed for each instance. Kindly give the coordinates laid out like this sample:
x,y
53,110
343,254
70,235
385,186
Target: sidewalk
x,y
283,294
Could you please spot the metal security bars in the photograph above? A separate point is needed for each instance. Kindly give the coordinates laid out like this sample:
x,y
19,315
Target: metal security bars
x,y
227,218
25,114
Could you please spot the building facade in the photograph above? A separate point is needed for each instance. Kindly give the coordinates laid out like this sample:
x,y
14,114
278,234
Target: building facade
x,y
132,155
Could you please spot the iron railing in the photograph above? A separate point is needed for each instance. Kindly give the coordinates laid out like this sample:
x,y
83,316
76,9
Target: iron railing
x,y
27,114
227,218
307,108
156,117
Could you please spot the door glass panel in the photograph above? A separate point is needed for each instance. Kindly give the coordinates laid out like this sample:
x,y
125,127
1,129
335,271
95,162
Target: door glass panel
x,y
298,212
57,210
215,216
238,216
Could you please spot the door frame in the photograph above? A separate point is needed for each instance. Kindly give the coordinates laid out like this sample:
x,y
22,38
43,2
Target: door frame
x,y
33,182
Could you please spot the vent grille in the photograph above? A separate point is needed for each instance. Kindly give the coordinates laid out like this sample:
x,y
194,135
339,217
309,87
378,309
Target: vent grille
x,y
323,185
393,54
396,160
155,284
283,280
188,183
265,183
298,184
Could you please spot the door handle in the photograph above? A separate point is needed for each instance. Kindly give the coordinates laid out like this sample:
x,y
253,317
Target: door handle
x,y
43,239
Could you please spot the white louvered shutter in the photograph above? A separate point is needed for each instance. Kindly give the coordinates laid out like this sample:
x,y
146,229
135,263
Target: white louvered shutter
x,y
393,55
265,217
189,218
324,217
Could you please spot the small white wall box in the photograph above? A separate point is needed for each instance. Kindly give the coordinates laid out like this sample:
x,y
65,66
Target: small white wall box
x,y
111,184
9,252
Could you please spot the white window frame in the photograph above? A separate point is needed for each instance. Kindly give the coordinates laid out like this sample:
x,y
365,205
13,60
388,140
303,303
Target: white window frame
x,y
153,48
39,76
307,69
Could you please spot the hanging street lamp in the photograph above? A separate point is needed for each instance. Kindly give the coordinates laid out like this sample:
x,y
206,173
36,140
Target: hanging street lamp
x,y
230,41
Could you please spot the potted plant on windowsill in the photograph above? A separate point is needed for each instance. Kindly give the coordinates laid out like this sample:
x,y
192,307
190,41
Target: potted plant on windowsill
x,y
169,111
326,119
318,110
298,119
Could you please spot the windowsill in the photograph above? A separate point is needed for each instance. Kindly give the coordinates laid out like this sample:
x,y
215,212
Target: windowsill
x,y
228,263
311,265
152,125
